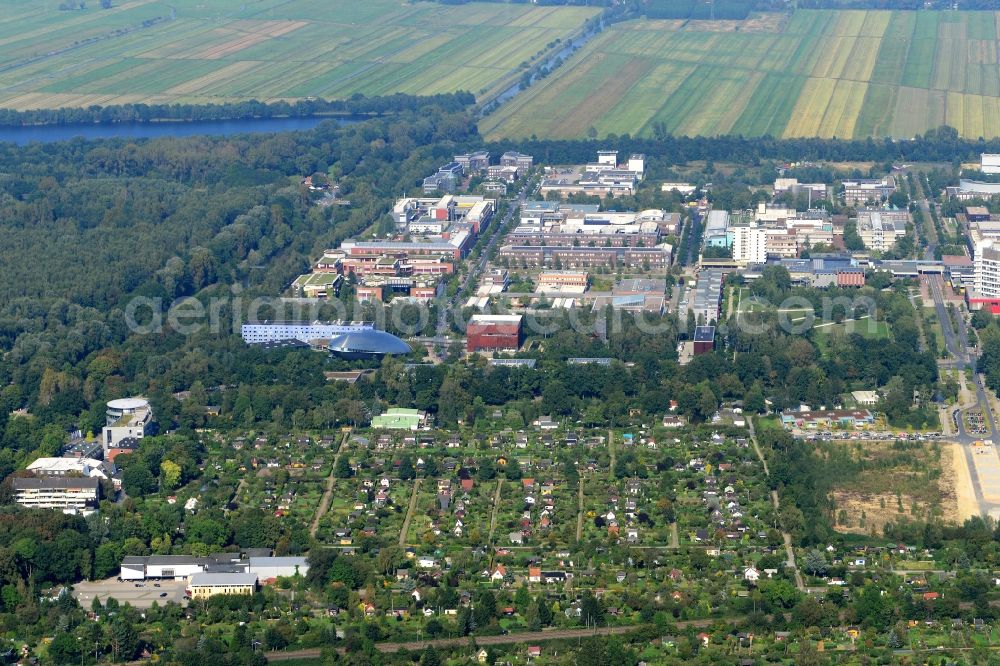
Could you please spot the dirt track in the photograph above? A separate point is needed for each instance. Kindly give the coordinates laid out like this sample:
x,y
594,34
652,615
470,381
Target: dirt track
x,y
525,637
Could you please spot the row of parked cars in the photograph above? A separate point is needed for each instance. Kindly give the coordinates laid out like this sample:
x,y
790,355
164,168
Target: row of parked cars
x,y
867,435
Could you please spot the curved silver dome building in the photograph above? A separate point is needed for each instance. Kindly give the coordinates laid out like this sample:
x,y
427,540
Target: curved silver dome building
x,y
369,343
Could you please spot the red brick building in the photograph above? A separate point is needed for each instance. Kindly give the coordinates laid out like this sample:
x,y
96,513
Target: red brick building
x,y
494,333
851,278
704,339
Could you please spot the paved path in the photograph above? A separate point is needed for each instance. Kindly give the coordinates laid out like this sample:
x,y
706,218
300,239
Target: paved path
x,y
579,511
496,508
789,550
521,637
611,452
324,504
409,513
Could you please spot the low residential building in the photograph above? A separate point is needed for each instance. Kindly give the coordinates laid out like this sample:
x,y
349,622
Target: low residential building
x,y
206,585
827,418
512,363
685,189
865,398
71,495
79,446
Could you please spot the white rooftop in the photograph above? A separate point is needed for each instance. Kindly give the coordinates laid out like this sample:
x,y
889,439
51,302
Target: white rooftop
x,y
85,466
210,579
128,403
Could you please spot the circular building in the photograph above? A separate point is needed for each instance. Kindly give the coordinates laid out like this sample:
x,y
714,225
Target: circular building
x,y
368,343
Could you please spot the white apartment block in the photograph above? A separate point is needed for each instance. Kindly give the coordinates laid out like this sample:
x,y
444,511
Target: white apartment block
x,y
277,331
987,268
989,163
71,495
750,244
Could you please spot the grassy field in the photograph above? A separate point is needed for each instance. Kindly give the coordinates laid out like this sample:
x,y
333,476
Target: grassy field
x,y
823,333
156,51
814,73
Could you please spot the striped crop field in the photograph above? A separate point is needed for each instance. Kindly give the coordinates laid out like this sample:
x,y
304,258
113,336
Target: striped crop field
x,y
825,73
193,51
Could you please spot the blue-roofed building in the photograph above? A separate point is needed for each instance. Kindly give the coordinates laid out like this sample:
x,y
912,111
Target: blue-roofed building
x,y
368,343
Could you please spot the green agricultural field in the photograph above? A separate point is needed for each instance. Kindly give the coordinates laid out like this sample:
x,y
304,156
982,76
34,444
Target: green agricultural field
x,y
159,51
812,73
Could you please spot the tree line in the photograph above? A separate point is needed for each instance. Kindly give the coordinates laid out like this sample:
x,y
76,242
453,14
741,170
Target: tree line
x,y
356,105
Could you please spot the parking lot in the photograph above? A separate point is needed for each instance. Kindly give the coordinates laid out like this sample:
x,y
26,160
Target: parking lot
x,y
867,435
160,591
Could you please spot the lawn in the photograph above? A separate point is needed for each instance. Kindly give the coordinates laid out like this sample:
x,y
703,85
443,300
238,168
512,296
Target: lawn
x,y
824,333
821,73
155,51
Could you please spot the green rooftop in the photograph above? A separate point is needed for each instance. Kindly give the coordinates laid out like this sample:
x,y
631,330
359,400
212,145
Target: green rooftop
x,y
398,418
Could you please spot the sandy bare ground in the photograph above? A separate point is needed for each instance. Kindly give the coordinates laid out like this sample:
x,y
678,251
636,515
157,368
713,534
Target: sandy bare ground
x,y
966,505
868,512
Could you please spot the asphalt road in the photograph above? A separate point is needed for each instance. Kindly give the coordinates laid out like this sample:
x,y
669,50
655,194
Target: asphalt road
x,y
497,230
984,474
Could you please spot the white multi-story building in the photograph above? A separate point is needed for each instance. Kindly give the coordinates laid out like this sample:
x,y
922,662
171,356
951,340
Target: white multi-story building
x,y
279,331
879,230
637,163
126,418
750,244
987,268
70,494
989,163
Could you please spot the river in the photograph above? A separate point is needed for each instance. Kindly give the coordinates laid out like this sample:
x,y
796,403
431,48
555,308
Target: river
x,y
50,133
560,57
